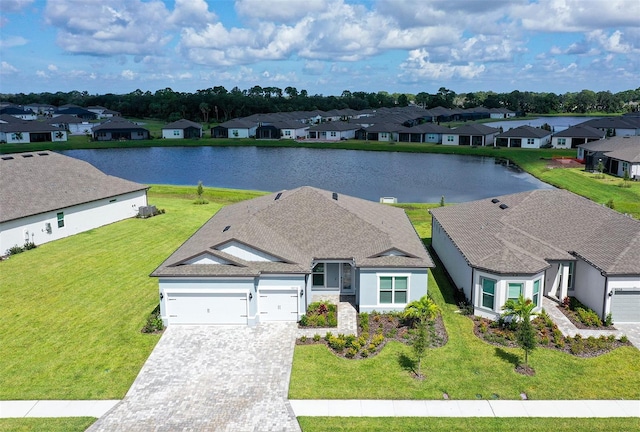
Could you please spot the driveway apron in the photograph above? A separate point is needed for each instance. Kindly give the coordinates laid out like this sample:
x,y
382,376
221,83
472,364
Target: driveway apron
x,y
211,378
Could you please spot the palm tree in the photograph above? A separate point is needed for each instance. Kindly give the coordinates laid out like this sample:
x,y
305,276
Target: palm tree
x,y
421,310
522,310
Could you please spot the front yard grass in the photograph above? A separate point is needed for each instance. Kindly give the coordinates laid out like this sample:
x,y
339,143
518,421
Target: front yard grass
x,y
409,424
72,309
465,368
64,424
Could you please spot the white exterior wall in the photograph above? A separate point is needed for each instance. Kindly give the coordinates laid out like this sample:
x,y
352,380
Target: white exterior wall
x,y
567,144
624,283
10,137
502,290
445,139
634,169
369,298
241,133
170,133
589,286
245,286
56,139
77,219
537,142
452,258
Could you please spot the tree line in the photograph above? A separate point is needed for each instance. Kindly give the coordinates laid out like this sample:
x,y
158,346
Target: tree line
x,y
217,104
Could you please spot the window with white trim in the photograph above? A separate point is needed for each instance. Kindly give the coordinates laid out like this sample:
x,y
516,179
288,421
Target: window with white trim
x,y
176,133
488,293
562,141
514,291
317,275
570,275
530,141
333,134
393,289
449,138
60,217
536,292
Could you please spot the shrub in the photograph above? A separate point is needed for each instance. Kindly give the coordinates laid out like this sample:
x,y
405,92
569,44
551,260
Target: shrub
x,y
566,302
377,339
14,250
332,321
364,354
154,322
316,337
337,343
29,246
588,317
482,327
328,336
304,321
351,353
371,348
363,319
321,321
303,339
608,320
624,339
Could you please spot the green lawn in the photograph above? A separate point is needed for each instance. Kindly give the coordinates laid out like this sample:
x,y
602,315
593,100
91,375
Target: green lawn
x,y
66,424
465,368
409,424
72,309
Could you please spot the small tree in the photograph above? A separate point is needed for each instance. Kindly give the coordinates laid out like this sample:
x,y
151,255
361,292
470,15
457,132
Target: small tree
x,y
442,201
625,178
600,169
419,345
522,311
526,338
200,191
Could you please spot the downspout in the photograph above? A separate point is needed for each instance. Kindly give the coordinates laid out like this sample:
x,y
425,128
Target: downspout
x,y
472,289
606,294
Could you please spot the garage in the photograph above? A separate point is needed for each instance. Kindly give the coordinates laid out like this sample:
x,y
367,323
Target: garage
x,y
278,305
625,305
207,308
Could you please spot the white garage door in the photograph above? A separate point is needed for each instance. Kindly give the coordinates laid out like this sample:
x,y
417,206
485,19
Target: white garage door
x,y
625,306
210,308
278,305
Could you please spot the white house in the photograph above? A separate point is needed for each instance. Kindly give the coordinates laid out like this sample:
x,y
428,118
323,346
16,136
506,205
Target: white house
x,y
471,135
524,136
617,155
236,128
267,258
333,131
575,135
182,129
45,196
29,131
541,243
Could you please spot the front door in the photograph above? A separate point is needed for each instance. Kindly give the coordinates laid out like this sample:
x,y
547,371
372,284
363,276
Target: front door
x,y
347,280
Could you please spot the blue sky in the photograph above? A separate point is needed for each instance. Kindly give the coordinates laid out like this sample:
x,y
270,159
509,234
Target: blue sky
x,y
323,46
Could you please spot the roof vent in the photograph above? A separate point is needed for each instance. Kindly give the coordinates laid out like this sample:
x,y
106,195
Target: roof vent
x,y
495,200
43,154
335,196
226,228
7,157
27,155
504,206
278,196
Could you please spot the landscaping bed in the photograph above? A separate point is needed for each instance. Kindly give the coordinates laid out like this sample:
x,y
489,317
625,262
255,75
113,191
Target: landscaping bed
x,y
374,331
319,315
548,335
582,317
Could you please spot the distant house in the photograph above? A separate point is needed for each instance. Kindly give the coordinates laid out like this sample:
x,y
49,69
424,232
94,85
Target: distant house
x,y
285,129
471,135
616,126
76,111
102,112
40,108
236,128
423,133
182,129
72,124
18,112
575,135
549,243
118,128
524,136
500,113
617,155
46,196
333,131
268,258
22,132
383,132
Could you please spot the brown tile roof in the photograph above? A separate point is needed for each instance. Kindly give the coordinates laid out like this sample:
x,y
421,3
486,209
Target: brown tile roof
x,y
33,183
539,226
303,224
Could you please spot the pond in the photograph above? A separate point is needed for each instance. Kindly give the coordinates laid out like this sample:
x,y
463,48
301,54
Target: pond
x,y
409,177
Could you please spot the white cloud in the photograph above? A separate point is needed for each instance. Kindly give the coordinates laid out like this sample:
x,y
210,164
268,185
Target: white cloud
x,y
6,68
418,66
41,74
52,68
128,74
190,12
10,6
12,41
285,11
313,67
614,43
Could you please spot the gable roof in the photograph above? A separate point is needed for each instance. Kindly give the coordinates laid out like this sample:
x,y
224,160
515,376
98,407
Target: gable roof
x,y
474,129
541,226
182,124
28,126
581,131
525,131
117,123
34,183
299,226
624,148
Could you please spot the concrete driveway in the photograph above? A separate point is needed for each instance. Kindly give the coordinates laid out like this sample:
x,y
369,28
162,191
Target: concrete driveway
x,y
211,378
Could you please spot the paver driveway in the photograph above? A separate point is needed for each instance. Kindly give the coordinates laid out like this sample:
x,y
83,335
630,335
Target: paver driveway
x,y
211,378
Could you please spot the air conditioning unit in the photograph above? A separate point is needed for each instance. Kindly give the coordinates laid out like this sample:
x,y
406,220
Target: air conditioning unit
x,y
147,211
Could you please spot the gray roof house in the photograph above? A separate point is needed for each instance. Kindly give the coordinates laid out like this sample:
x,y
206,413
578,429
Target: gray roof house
x,y
471,135
549,243
333,131
575,135
46,196
118,128
617,154
28,131
524,136
267,258
182,129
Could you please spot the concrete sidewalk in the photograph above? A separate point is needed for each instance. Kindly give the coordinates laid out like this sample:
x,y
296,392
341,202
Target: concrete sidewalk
x,y
466,408
56,408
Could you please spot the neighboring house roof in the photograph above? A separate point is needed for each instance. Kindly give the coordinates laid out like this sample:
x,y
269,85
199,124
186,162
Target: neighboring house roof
x,y
65,118
541,226
8,118
627,122
77,111
34,183
580,131
28,126
525,131
474,129
384,127
335,126
299,226
182,124
624,148
117,123
237,124
427,128
14,110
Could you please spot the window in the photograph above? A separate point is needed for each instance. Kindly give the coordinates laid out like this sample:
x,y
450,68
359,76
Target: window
x,y
488,292
176,133
431,137
235,133
530,141
625,167
60,219
318,275
515,290
536,292
287,133
562,141
449,138
333,134
570,276
393,289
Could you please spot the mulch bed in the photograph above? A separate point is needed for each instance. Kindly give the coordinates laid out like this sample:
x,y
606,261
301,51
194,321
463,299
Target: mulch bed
x,y
548,336
579,324
393,327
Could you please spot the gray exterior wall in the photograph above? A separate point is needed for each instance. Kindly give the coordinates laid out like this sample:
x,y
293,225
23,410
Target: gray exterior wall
x,y
589,286
368,297
452,258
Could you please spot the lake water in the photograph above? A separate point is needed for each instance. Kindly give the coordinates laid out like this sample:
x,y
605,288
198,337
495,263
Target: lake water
x,y
557,123
408,177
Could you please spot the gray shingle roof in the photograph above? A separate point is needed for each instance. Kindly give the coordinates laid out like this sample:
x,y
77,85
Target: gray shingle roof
x,y
28,126
118,123
525,131
539,226
303,224
580,131
33,183
182,124
474,129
